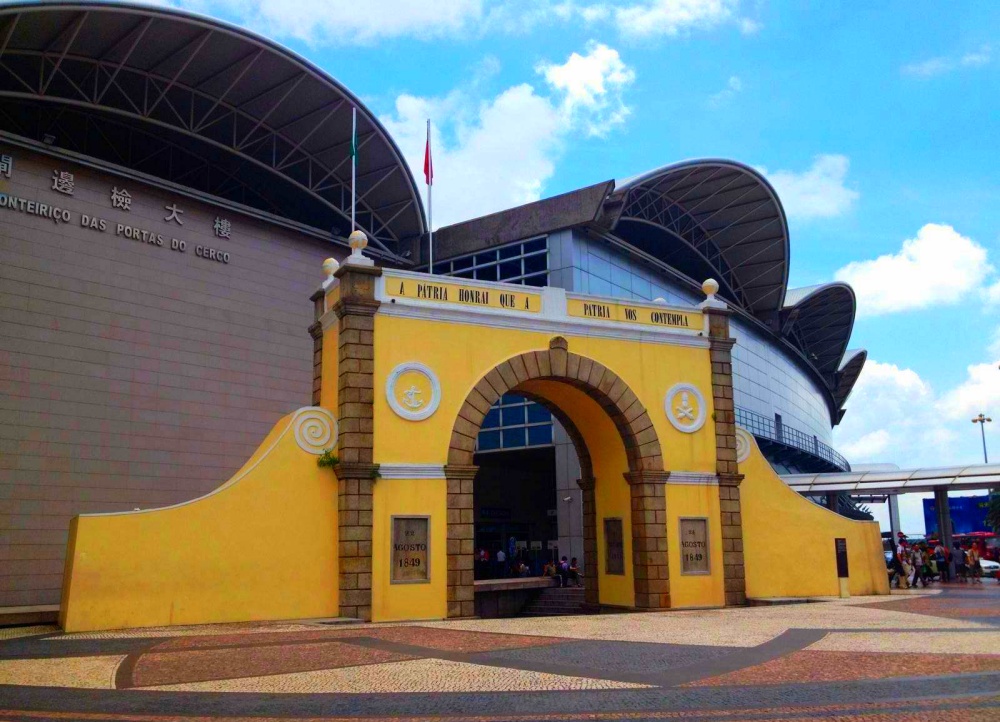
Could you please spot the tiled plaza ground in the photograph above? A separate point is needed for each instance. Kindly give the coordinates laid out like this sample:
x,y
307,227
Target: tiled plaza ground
x,y
931,655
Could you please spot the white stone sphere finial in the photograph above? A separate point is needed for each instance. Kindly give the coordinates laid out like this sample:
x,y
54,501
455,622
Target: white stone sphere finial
x,y
330,267
710,287
358,242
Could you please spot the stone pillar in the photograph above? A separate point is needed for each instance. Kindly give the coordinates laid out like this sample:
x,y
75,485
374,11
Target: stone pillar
x,y
943,508
721,352
591,592
316,331
356,471
894,527
649,538
461,540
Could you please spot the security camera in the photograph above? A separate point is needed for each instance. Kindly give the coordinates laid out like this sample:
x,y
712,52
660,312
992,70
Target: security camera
x,y
567,498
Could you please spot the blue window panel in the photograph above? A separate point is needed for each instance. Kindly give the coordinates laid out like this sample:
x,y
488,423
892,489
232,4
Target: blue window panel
x,y
538,413
489,273
539,435
512,251
535,264
489,440
510,269
513,415
511,399
599,287
536,245
599,268
487,257
459,263
621,277
540,280
513,438
492,419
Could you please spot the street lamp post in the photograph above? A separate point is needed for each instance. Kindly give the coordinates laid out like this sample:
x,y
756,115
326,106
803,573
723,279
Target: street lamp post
x,y
982,420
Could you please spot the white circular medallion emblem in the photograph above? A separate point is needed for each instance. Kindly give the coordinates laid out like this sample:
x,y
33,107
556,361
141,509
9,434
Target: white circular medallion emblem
x,y
413,391
685,407
744,443
315,429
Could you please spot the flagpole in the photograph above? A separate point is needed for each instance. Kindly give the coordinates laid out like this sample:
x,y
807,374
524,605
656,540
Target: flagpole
x,y
430,209
354,161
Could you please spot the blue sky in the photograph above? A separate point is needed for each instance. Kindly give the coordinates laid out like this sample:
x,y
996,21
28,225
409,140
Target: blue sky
x,y
878,125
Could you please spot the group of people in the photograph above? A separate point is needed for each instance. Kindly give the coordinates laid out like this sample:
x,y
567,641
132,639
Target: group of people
x,y
923,563
565,571
501,565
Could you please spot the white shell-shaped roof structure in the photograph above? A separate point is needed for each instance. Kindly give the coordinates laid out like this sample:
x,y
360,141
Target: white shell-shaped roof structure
x,y
204,105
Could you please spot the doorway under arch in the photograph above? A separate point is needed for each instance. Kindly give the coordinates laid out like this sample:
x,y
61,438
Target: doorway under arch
x,y
621,467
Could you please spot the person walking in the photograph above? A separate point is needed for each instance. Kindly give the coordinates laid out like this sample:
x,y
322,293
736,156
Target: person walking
x,y
958,554
941,559
917,562
501,563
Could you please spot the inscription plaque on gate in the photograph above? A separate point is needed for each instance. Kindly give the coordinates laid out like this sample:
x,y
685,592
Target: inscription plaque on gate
x,y
840,549
614,558
694,546
411,549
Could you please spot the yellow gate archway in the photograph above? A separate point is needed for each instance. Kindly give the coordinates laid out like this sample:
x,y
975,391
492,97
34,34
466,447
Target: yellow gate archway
x,y
406,365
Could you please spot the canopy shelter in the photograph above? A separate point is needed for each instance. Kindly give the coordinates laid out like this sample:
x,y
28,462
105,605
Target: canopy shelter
x,y
898,481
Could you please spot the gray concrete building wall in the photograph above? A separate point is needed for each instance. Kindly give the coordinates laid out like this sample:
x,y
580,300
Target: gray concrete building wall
x,y
133,375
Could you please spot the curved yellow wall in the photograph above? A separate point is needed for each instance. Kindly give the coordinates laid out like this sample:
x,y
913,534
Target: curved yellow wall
x,y
262,546
788,541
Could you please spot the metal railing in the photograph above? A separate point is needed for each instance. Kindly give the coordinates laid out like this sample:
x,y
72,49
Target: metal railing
x,y
765,428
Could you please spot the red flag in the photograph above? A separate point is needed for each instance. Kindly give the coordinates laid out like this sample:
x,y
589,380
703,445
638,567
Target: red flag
x,y
428,163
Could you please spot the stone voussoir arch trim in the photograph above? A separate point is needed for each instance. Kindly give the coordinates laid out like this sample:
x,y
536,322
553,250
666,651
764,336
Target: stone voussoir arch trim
x,y
557,363
645,464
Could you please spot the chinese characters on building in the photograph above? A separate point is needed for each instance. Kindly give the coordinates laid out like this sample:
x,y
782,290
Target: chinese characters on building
x,y
6,165
121,198
62,182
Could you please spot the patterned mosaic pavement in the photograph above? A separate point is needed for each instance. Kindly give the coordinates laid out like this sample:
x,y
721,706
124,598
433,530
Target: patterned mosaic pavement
x,y
931,655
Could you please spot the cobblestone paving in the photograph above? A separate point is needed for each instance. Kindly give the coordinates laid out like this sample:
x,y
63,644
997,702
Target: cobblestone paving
x,y
931,655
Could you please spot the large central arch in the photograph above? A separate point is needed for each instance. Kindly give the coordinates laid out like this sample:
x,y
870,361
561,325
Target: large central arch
x,y
525,374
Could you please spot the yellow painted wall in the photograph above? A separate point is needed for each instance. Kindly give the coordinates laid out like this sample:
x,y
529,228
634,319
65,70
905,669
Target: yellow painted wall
x,y
788,541
416,497
695,590
261,546
459,356
611,491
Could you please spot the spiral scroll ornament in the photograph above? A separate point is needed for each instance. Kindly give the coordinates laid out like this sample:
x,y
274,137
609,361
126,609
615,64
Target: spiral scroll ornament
x,y
315,429
744,443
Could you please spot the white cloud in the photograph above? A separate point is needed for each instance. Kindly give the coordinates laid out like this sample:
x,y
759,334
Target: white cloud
x,y
672,17
592,86
939,266
494,153
344,22
341,22
941,65
818,192
992,293
895,416
734,86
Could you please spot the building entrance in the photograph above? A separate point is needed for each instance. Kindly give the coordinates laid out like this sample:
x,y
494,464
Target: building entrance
x,y
515,508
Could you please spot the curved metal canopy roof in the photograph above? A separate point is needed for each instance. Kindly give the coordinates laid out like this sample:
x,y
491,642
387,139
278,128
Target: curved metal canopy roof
x,y
898,481
730,222
818,321
203,104
847,376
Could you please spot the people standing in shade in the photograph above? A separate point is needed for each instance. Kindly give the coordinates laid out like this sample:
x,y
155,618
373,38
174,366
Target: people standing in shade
x,y
501,567
917,562
958,554
941,559
972,562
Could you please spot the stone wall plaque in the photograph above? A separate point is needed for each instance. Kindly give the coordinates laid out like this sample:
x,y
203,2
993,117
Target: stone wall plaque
x,y
614,546
411,556
694,546
840,549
